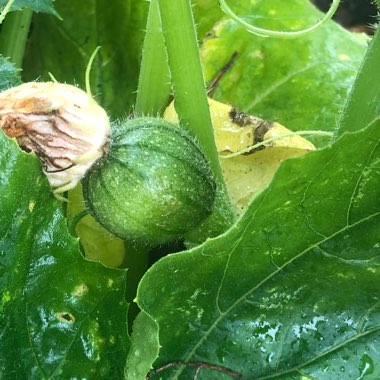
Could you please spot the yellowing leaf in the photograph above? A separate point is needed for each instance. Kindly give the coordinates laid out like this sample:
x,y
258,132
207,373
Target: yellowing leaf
x,y
246,175
98,244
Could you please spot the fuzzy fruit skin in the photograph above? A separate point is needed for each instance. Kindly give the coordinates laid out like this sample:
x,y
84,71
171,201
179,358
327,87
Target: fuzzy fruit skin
x,y
153,186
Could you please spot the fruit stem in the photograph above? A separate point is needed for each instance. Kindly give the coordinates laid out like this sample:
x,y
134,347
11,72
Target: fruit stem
x,y
154,80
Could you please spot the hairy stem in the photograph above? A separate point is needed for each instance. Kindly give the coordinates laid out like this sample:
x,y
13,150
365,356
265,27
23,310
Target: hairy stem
x,y
187,77
14,34
154,80
191,99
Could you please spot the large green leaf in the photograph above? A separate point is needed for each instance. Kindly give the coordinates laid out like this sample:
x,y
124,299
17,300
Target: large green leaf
x,y
61,316
302,83
64,48
293,288
45,6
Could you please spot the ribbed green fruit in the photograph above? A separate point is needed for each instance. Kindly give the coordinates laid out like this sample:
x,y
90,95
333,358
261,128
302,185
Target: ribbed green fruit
x,y
153,186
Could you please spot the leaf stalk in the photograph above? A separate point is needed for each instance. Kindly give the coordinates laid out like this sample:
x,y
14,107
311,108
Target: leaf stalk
x,y
190,97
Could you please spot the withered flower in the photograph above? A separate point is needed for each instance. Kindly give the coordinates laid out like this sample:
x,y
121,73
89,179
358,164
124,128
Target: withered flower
x,y
61,124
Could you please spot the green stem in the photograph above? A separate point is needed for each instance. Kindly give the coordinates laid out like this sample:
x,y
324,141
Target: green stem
x,y
154,80
187,77
191,103
14,35
87,75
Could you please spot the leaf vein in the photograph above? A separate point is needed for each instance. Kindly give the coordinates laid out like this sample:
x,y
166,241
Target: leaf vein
x,y
359,180
245,295
217,299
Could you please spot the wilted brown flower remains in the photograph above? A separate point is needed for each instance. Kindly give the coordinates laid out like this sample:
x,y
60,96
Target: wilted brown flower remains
x,y
61,124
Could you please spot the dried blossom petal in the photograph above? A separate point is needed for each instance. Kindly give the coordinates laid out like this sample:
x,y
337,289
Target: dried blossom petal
x,y
61,124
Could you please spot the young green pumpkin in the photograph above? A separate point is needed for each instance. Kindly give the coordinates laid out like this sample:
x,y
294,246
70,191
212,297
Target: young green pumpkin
x,y
153,185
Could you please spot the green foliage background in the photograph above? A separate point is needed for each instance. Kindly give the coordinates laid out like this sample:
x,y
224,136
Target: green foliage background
x,y
289,292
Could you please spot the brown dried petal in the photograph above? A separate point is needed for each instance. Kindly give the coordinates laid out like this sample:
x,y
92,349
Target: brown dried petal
x,y
64,127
